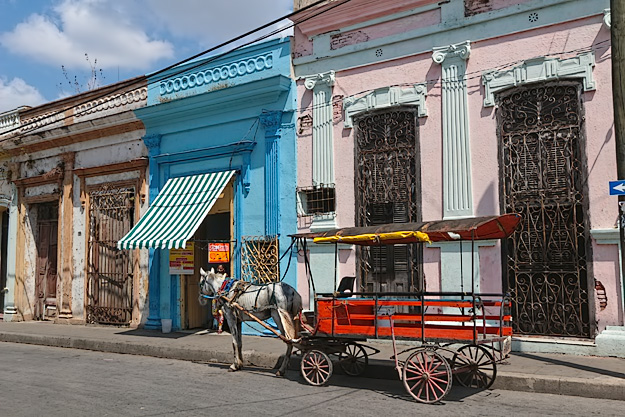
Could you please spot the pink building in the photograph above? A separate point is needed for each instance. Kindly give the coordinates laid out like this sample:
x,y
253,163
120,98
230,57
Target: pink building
x,y
417,110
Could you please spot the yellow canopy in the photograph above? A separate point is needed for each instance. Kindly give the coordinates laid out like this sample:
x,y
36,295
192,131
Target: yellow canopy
x,y
376,238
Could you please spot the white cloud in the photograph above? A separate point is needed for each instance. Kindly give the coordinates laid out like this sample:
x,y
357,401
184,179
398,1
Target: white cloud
x,y
94,27
16,93
210,23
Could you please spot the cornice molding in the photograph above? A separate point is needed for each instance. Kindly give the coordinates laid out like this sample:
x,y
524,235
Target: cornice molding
x,y
539,69
213,75
133,165
460,50
236,148
112,102
67,140
255,94
326,78
52,177
50,119
386,97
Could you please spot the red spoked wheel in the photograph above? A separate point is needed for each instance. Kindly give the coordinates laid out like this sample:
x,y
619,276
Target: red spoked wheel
x,y
474,367
427,376
316,367
354,360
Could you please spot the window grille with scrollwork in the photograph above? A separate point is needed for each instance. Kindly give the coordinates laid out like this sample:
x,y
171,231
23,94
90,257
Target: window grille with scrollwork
x,y
259,259
542,179
387,191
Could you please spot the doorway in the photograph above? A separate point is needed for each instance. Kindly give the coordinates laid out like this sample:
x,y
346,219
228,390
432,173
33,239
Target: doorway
x,y
46,275
216,227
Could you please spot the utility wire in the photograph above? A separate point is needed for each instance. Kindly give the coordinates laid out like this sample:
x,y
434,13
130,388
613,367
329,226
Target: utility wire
x,y
431,82
138,80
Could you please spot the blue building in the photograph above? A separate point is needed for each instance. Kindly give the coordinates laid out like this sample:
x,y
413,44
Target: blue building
x,y
221,141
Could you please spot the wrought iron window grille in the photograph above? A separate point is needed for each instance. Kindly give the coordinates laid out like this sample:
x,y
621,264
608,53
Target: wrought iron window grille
x,y
260,259
318,201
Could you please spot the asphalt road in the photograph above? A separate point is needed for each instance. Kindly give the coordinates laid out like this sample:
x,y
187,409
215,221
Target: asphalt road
x,y
48,381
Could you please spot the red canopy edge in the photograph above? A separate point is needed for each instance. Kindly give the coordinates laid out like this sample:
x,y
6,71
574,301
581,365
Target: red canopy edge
x,y
474,228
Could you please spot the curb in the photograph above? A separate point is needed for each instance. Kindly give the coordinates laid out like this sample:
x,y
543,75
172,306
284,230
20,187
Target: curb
x,y
251,357
577,387
377,369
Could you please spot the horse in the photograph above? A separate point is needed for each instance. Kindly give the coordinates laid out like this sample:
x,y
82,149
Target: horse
x,y
277,300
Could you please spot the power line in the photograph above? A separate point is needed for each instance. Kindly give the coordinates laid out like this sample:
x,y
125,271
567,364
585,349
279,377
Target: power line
x,y
136,81
471,75
432,82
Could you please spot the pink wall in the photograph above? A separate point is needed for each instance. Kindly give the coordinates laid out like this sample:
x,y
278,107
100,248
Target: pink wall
x,y
499,52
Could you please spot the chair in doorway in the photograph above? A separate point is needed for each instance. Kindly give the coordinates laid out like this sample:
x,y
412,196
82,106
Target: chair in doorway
x,y
346,286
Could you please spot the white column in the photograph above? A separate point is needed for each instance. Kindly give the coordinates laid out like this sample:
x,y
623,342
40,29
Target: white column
x,y
10,311
457,191
323,158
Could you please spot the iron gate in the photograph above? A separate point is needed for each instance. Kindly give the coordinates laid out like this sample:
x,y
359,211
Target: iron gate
x,y
542,180
110,270
387,190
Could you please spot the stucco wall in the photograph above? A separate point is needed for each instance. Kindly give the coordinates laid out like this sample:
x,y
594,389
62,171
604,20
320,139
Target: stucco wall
x,y
558,40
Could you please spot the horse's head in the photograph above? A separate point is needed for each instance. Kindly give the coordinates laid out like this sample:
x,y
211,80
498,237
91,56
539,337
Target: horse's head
x,y
210,283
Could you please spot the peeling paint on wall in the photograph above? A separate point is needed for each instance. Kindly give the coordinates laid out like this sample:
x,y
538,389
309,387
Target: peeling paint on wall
x,y
602,297
473,7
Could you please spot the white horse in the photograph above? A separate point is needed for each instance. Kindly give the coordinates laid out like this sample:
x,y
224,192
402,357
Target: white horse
x,y
277,300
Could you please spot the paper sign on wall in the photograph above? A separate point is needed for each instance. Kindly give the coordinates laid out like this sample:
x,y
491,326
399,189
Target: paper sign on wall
x,y
219,253
182,261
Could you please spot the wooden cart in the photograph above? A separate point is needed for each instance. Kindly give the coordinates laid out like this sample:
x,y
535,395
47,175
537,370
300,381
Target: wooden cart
x,y
460,333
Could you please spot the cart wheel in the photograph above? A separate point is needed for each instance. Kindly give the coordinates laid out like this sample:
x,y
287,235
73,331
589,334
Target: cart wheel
x,y
354,360
427,376
474,367
316,367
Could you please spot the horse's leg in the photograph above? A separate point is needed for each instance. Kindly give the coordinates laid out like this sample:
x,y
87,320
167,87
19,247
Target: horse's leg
x,y
289,347
236,338
239,353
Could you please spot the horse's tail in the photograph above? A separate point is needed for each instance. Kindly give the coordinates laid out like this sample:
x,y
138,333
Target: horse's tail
x,y
296,312
291,329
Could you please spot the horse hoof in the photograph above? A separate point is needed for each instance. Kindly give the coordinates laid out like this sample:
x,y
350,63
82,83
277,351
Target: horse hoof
x,y
279,373
233,368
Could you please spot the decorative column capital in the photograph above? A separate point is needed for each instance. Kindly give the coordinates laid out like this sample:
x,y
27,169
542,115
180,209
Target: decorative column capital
x,y
153,143
271,121
325,78
460,50
607,18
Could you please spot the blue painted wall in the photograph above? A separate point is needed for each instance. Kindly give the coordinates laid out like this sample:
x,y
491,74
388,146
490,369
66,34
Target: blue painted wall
x,y
220,114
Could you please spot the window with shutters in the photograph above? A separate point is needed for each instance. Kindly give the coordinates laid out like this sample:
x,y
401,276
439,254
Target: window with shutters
x,y
388,191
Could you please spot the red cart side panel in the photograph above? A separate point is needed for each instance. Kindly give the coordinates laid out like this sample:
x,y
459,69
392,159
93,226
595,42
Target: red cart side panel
x,y
357,317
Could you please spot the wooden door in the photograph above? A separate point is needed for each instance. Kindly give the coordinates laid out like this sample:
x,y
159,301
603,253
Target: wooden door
x,y
46,275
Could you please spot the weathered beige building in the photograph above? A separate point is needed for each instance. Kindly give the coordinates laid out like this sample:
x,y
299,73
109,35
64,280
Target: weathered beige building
x,y
75,183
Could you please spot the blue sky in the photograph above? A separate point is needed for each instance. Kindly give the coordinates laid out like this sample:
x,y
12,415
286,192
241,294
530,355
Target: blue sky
x,y
123,38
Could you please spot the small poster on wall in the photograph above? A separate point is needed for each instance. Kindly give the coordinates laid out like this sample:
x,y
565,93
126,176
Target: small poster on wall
x,y
218,253
182,261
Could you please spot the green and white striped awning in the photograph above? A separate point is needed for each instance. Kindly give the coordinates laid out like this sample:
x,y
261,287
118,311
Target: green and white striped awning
x,y
177,212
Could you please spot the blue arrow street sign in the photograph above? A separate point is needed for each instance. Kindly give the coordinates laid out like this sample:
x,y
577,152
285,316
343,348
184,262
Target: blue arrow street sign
x,y
617,187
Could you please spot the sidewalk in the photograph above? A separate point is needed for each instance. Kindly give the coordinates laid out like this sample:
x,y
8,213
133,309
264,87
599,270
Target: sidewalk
x,y
585,376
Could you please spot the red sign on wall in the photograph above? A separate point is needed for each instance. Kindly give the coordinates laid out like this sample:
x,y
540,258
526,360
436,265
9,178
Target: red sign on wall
x,y
218,253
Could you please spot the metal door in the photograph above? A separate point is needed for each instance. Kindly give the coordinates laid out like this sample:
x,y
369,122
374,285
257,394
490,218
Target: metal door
x,y
546,260
110,270
387,191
